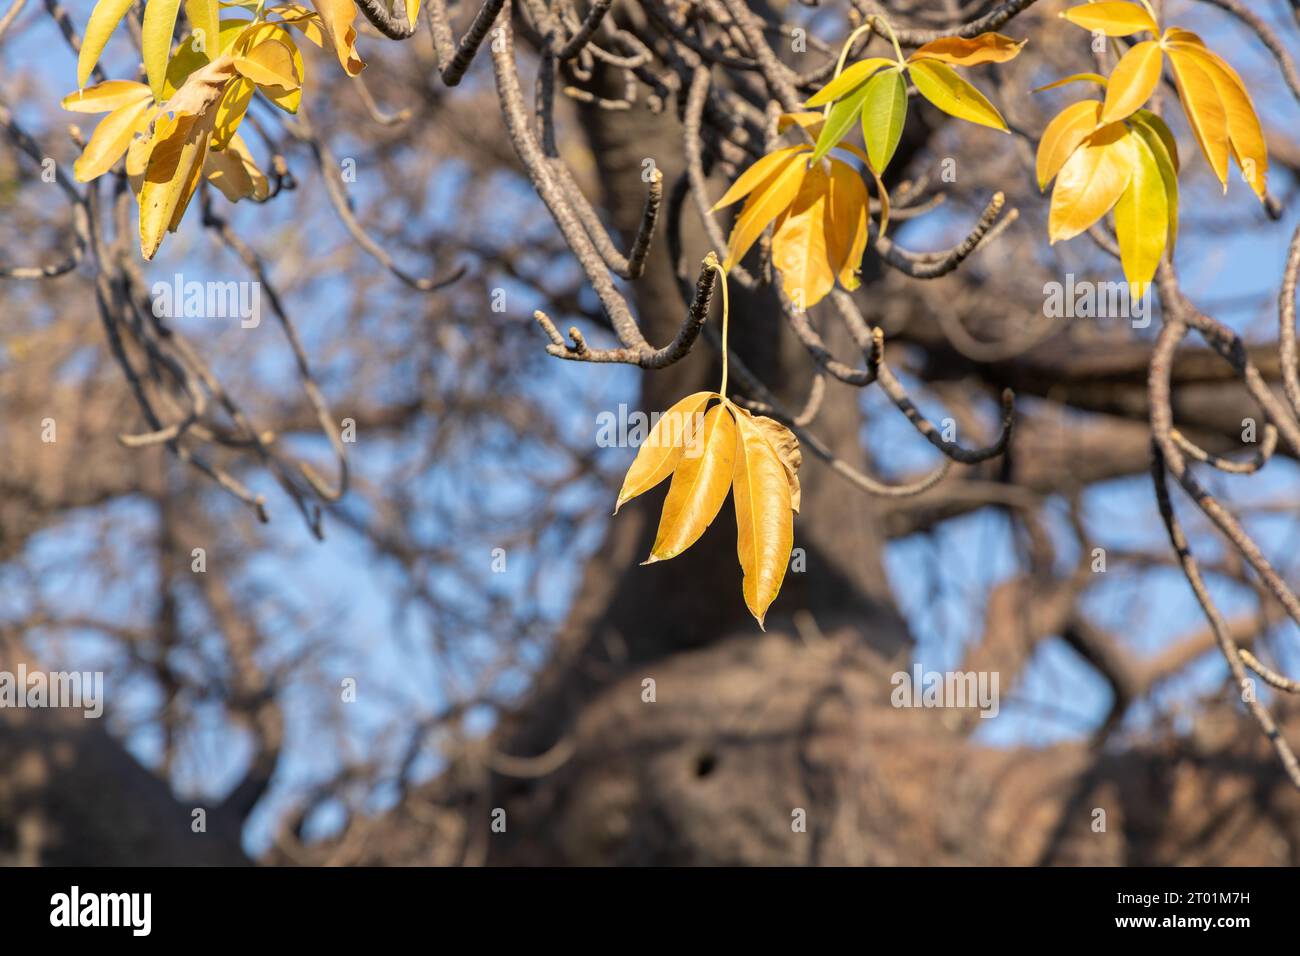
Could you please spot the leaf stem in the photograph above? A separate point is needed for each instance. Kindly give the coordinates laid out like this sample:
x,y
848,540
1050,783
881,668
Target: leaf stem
x,y
720,269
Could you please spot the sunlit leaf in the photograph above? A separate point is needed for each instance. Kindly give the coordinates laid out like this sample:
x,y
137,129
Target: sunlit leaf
x,y
1142,216
960,51
1204,108
338,18
1161,144
1091,181
764,513
699,487
757,174
764,204
662,450
884,111
1133,80
104,19
1074,78
941,85
849,217
800,249
234,171
841,118
110,140
850,79
1115,19
1245,134
106,97
1064,134
156,40
205,21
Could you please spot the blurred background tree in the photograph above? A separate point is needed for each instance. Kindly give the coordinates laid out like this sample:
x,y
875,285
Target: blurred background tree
x,y
351,574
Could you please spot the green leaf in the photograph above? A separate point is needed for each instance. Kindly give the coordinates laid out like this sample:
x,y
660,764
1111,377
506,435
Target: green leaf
x,y
839,121
940,84
849,80
884,111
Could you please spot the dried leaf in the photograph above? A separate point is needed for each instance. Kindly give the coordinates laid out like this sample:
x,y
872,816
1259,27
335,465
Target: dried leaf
x,y
234,171
337,19
960,51
106,97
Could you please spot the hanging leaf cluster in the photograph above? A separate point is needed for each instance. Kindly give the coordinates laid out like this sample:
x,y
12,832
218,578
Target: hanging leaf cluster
x,y
711,447
181,127
818,203
726,449
1114,154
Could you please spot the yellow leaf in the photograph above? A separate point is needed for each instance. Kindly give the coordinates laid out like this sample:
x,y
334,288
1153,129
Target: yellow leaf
x,y
103,21
106,97
985,48
337,19
156,40
184,61
1147,118
231,110
1074,78
299,17
787,449
1133,80
234,171
1245,134
412,10
1091,181
177,151
756,175
766,202
1063,136
1115,19
676,430
269,64
849,217
1160,141
178,148
1142,217
1204,109
764,515
849,79
110,140
205,21
940,84
288,98
698,489
203,88
800,246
